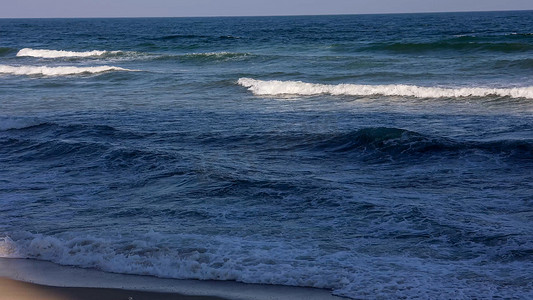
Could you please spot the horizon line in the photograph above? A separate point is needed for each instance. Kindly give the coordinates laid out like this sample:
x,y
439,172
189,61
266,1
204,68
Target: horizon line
x,y
280,15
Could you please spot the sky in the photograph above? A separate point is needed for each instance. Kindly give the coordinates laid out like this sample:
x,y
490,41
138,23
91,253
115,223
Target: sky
x,y
189,8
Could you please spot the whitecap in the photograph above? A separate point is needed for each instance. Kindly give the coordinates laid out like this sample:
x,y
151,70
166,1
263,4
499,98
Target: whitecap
x,y
299,88
56,71
44,53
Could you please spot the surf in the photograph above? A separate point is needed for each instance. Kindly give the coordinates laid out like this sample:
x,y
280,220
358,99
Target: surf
x,y
45,53
300,88
57,71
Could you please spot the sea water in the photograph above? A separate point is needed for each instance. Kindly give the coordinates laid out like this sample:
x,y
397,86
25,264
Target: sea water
x,y
378,156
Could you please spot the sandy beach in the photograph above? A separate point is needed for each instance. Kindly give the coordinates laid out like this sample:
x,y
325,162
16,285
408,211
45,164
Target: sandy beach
x,y
18,290
25,279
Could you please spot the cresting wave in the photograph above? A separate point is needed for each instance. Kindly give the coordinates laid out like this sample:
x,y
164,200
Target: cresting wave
x,y
299,88
44,53
56,71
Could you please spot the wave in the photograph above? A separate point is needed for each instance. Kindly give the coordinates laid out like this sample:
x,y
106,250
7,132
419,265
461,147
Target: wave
x,y
200,57
366,143
375,144
180,36
194,36
526,63
44,53
404,143
450,45
260,261
5,50
9,123
299,88
215,56
56,71
522,33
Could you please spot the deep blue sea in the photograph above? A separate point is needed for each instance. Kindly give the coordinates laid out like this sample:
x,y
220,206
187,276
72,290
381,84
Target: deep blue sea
x,y
378,156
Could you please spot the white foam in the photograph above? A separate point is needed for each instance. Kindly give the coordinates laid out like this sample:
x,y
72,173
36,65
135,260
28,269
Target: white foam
x,y
188,256
299,88
44,53
56,71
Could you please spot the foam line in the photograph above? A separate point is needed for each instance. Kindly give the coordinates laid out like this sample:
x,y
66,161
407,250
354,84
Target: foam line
x,y
299,88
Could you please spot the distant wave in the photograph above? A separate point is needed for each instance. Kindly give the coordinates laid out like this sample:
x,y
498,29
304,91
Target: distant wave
x,y
216,56
299,88
56,71
8,123
522,33
194,36
202,57
5,50
459,44
44,53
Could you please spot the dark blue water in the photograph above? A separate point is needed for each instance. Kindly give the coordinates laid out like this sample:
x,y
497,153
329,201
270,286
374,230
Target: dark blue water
x,y
379,156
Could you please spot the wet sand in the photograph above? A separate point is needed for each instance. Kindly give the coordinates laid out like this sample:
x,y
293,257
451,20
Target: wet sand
x,y
18,290
27,279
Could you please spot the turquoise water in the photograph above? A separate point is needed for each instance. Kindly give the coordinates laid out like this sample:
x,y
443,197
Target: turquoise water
x,y
377,156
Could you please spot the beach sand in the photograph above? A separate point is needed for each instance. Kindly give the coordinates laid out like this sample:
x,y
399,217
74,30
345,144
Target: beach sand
x,y
27,279
18,290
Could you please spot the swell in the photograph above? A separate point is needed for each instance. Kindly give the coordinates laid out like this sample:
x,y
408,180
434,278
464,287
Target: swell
x,y
172,37
299,88
6,50
373,143
206,57
33,127
526,63
465,45
405,143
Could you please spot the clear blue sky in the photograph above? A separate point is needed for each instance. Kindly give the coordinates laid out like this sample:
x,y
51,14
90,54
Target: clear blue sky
x,y
181,8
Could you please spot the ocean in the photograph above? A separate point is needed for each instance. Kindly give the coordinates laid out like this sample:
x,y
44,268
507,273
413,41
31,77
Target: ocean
x,y
376,156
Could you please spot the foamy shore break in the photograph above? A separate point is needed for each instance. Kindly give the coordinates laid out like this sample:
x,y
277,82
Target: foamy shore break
x,y
58,280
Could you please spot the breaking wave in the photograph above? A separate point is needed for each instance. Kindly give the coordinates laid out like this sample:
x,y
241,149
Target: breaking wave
x,y
56,71
44,53
299,88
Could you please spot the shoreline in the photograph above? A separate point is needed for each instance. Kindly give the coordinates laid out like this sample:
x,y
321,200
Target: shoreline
x,y
20,290
26,279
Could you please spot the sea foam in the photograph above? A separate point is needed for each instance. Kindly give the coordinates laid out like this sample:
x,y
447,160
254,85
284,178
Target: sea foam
x,y
56,71
299,88
44,53
255,261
